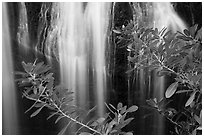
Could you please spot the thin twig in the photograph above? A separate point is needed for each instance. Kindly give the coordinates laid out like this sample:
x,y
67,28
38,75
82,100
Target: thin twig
x,y
59,110
36,100
76,121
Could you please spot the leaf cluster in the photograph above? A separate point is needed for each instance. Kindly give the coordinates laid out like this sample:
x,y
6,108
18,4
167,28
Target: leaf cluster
x,y
175,54
108,125
38,84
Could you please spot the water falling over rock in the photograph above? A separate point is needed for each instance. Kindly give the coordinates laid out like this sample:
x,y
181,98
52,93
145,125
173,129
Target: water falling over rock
x,y
79,32
23,33
165,16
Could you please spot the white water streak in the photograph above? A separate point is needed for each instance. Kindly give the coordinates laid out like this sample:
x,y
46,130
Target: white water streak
x,y
166,16
9,111
23,35
81,36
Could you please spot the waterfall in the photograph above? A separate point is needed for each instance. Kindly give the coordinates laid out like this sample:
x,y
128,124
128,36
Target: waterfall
x,y
23,32
80,33
166,16
9,111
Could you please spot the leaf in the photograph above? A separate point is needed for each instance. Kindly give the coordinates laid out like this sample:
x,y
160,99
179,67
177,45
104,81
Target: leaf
x,y
37,105
49,76
155,100
129,133
194,132
121,120
123,110
132,109
156,32
64,129
182,91
112,106
132,59
154,44
52,114
161,32
41,88
27,67
35,90
152,103
141,30
130,71
163,103
126,122
70,109
21,73
187,47
198,119
186,32
28,90
25,80
36,112
85,133
60,117
184,38
199,34
43,69
119,106
51,107
190,100
113,131
193,29
98,122
147,32
34,96
110,126
37,67
50,83
171,89
117,31
67,100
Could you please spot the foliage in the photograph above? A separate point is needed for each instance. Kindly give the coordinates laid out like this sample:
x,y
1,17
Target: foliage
x,y
112,126
178,55
38,84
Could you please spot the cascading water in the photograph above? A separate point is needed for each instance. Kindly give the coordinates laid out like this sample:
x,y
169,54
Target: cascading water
x,y
9,111
80,33
165,16
23,33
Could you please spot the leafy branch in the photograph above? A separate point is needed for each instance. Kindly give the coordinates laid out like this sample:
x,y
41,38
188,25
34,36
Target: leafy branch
x,y
38,84
176,54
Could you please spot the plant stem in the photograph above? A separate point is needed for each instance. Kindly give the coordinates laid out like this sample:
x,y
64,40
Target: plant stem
x,y
172,71
75,119
170,119
59,110
37,100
